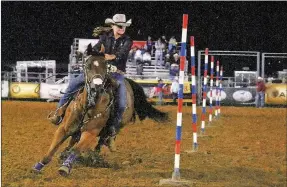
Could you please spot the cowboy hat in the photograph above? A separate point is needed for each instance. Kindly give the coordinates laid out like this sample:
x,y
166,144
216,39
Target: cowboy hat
x,y
118,19
260,78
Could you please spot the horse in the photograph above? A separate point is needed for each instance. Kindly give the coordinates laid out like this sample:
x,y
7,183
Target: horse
x,y
87,115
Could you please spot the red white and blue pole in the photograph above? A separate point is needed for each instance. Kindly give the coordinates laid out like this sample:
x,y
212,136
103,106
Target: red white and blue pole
x,y
193,92
176,173
220,89
217,89
204,92
211,85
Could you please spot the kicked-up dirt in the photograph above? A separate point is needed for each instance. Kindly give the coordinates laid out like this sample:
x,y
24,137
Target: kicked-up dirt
x,y
246,146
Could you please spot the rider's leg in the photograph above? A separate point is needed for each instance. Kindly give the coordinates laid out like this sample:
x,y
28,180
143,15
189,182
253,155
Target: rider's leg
x,y
121,101
74,85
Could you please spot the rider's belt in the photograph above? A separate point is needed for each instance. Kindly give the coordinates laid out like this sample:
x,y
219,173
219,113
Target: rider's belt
x,y
120,72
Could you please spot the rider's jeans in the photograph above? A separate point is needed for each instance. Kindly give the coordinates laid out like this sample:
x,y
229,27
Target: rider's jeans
x,y
74,85
122,100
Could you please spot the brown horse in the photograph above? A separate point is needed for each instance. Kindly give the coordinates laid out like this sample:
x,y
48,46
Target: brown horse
x,y
89,112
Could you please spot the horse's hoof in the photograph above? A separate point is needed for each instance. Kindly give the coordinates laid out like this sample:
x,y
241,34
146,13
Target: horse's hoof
x,y
64,171
38,167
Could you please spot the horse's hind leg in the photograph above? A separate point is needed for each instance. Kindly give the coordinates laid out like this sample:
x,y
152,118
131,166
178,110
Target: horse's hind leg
x,y
59,137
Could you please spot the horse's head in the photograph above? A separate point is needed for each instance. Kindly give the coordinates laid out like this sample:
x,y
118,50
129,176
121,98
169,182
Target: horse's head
x,y
95,72
95,68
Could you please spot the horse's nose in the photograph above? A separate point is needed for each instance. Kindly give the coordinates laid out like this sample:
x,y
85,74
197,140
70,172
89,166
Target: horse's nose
x,y
96,82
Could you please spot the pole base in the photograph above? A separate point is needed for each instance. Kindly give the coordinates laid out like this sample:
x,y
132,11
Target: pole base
x,y
202,134
175,182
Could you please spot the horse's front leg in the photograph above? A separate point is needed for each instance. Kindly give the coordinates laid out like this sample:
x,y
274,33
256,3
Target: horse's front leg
x,y
75,139
83,145
59,137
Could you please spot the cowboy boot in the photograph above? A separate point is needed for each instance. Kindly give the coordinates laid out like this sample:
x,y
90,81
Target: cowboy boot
x,y
58,116
113,131
56,120
112,143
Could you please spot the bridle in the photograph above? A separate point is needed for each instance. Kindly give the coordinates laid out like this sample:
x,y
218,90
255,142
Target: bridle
x,y
95,85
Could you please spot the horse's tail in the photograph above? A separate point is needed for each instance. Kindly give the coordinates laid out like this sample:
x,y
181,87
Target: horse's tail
x,y
142,107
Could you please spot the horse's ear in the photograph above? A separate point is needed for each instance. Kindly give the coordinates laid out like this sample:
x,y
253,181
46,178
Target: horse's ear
x,y
102,49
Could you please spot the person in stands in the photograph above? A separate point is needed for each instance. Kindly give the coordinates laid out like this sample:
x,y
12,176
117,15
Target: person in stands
x,y
174,89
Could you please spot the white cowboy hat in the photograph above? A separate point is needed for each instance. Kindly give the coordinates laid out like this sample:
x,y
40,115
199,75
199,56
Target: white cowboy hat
x,y
118,19
260,78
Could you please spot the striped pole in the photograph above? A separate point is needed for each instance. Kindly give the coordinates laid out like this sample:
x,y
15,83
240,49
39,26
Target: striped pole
x,y
211,85
176,173
220,89
193,92
175,180
217,89
204,92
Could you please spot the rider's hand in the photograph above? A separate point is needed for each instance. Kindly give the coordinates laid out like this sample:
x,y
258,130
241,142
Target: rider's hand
x,y
110,57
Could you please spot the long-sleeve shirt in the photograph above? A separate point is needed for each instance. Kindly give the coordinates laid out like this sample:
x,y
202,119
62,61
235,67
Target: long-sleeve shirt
x,y
260,86
159,46
119,47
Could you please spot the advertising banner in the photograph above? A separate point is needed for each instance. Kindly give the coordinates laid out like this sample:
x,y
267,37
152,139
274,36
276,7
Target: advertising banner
x,y
4,88
276,94
234,96
24,90
52,91
138,43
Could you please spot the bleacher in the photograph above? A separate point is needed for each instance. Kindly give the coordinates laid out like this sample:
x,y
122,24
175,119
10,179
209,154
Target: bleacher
x,y
149,72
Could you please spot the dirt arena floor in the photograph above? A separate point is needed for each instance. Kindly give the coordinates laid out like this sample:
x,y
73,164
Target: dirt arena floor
x,y
245,147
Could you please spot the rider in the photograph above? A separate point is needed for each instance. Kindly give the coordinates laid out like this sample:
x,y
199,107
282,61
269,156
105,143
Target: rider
x,y
117,47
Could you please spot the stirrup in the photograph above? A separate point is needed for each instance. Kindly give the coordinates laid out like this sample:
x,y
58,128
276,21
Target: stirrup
x,y
56,120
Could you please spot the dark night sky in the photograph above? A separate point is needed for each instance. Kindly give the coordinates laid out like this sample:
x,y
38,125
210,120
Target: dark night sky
x,y
34,29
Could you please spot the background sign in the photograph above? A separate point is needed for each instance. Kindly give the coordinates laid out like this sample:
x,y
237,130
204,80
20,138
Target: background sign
x,y
276,94
24,90
4,88
52,91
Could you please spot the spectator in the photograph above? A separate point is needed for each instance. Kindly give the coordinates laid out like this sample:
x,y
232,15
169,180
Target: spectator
x,y
159,46
174,89
148,45
142,49
138,56
132,53
160,87
165,43
260,93
172,45
147,58
175,59
174,69
167,61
